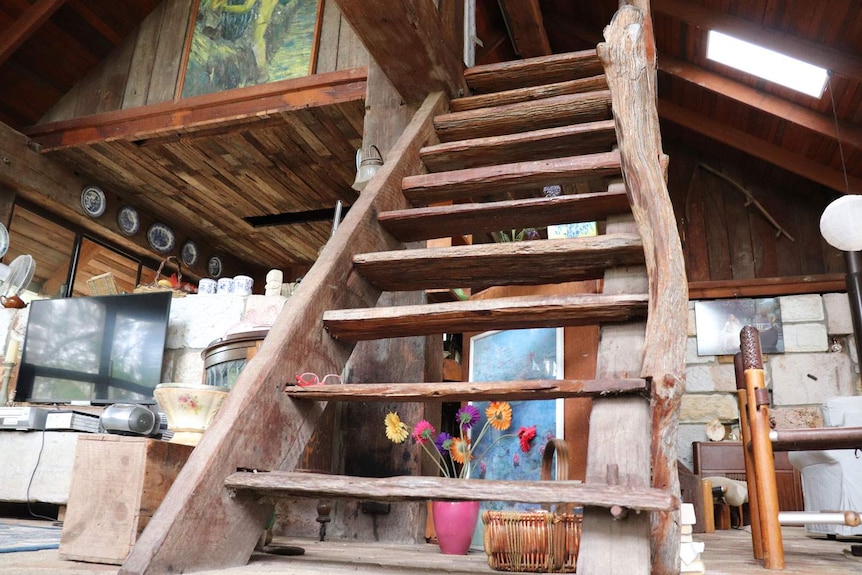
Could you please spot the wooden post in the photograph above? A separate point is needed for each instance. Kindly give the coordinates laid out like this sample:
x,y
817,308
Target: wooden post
x,y
751,479
631,74
761,449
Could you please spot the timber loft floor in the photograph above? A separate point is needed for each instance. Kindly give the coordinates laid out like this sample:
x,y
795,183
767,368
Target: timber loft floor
x,y
727,553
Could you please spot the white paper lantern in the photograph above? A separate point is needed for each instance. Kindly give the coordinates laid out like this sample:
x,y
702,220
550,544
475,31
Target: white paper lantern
x,y
841,223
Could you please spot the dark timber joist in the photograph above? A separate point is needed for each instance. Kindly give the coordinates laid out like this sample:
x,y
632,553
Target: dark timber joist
x,y
527,28
26,25
410,45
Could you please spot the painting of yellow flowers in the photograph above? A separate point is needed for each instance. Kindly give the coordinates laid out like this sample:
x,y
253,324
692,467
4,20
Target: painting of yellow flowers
x,y
239,43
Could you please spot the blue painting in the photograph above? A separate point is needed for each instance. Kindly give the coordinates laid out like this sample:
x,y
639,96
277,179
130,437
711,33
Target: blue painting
x,y
513,355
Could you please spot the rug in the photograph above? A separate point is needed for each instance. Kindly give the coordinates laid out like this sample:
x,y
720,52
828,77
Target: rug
x,y
15,537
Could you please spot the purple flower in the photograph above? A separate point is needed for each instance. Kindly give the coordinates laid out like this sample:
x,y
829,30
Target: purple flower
x,y
467,416
443,442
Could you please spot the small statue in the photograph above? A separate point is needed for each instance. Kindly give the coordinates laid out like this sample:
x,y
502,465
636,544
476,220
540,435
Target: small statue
x,y
274,278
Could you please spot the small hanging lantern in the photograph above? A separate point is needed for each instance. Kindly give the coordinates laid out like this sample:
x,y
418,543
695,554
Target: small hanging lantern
x,y
366,167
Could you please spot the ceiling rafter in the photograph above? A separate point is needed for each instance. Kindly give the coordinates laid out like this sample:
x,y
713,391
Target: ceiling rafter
x,y
835,61
753,146
26,26
800,115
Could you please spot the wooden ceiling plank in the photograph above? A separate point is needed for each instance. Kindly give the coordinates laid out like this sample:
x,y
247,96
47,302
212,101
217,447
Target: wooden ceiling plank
x,y
26,25
527,27
751,145
408,42
207,110
773,105
836,61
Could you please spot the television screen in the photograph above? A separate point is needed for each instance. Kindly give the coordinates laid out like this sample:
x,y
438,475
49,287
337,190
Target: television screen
x,y
101,349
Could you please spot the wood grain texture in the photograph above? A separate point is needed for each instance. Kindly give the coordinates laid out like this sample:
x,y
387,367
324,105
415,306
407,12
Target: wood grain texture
x,y
587,138
409,488
505,313
408,42
458,219
529,93
527,27
533,71
510,263
524,116
630,69
174,540
495,181
468,390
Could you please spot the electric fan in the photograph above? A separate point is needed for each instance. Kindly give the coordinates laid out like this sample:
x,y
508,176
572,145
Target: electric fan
x,y
17,278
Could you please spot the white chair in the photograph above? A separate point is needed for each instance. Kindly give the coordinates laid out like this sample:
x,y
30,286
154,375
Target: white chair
x,y
832,478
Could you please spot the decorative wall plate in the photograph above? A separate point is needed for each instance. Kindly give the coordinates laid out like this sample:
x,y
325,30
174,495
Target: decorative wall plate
x,y
128,220
190,253
4,240
214,267
161,238
93,201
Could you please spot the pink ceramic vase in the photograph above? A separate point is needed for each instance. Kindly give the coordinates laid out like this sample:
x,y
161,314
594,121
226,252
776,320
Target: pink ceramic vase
x,y
454,522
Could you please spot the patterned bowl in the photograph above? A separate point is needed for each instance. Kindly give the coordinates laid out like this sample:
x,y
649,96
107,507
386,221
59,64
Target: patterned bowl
x,y
189,408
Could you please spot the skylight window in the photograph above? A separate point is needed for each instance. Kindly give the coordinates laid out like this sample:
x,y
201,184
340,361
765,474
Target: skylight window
x,y
766,64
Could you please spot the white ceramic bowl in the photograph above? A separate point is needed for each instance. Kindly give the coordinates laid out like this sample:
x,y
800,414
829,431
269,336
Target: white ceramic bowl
x,y
189,408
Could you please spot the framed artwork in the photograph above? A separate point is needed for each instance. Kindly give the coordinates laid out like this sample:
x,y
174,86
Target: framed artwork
x,y
239,43
513,355
720,321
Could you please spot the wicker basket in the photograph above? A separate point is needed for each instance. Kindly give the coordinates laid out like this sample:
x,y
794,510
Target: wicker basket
x,y
154,285
538,541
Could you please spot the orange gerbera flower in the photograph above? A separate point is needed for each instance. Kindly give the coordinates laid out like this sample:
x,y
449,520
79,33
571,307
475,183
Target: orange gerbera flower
x,y
499,414
460,450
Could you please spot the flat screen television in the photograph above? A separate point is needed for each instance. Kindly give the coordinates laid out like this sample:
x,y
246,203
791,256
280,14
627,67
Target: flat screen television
x,y
100,349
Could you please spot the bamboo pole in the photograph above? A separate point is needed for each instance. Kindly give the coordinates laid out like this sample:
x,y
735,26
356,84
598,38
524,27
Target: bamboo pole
x,y
761,450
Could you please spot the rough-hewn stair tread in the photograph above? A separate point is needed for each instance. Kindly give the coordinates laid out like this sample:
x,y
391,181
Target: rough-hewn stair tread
x,y
496,264
468,390
520,312
530,93
420,488
524,116
533,71
587,138
496,181
447,221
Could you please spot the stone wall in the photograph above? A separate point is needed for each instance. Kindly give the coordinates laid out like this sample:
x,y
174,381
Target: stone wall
x,y
806,374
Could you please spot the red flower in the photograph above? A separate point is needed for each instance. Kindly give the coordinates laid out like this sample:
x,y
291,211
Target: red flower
x,y
525,436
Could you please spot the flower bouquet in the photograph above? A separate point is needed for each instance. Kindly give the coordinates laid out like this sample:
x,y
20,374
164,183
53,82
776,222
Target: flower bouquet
x,y
457,456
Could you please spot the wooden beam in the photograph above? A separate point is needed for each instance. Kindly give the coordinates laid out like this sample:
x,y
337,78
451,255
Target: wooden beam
x,y
207,111
792,162
408,41
56,188
836,61
276,436
767,287
26,25
457,390
784,109
527,28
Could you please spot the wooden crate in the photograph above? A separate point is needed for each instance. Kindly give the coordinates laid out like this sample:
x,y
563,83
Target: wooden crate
x,y
117,484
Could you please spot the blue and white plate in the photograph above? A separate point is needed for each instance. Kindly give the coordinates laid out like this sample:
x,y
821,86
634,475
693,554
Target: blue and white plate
x,y
128,220
4,240
189,253
93,201
161,238
214,267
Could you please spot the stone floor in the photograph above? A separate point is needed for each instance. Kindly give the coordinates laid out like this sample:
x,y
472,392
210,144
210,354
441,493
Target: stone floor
x,y
727,553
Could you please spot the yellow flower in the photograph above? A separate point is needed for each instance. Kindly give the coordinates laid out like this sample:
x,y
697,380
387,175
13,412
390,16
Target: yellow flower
x,y
499,414
460,450
396,430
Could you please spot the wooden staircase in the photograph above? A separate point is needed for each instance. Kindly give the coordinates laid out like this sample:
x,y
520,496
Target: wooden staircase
x,y
531,124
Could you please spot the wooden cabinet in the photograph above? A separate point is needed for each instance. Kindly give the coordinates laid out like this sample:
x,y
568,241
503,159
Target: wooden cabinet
x,y
725,458
117,484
